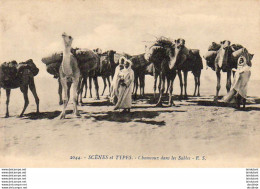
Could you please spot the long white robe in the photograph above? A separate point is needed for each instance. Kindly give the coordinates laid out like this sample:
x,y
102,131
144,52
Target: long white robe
x,y
240,84
114,86
125,91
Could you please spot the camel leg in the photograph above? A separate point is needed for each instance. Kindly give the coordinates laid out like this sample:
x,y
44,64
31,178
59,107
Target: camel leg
x,y
160,82
198,83
75,96
162,78
228,85
8,93
90,86
218,85
86,87
33,90
181,83
96,87
168,85
185,84
65,98
24,89
136,86
109,84
171,80
105,85
81,85
142,78
155,85
60,92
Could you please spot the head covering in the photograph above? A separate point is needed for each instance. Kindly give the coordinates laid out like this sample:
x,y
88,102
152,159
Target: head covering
x,y
121,59
244,63
130,64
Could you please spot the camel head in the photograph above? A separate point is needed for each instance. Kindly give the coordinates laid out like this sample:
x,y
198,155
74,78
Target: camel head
x,y
110,55
179,55
67,39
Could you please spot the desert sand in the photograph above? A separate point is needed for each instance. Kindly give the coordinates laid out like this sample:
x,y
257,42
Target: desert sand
x,y
227,137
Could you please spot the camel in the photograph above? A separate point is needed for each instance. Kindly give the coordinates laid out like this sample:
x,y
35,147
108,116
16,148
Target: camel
x,y
12,76
139,68
223,57
185,60
89,64
69,74
170,59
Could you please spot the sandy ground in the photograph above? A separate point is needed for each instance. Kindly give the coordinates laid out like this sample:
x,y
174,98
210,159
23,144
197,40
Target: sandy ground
x,y
227,137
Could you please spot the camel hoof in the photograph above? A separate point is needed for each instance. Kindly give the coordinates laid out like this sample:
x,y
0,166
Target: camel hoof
x,y
60,103
84,97
159,104
77,115
62,116
6,115
171,104
215,99
185,97
97,98
21,115
180,97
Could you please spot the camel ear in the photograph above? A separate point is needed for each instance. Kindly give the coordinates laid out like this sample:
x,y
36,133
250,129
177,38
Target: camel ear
x,y
183,41
251,56
221,42
175,40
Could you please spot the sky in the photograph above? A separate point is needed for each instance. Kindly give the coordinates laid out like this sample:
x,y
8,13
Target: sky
x,y
32,29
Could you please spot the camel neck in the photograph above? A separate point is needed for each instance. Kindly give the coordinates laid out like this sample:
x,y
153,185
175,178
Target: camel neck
x,y
67,50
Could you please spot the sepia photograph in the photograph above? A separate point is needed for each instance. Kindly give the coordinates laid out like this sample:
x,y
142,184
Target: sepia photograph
x,y
130,84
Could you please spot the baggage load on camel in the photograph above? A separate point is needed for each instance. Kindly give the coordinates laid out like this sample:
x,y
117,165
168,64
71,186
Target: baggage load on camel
x,y
195,51
8,75
210,55
85,55
210,59
214,47
236,47
88,61
29,64
56,57
53,69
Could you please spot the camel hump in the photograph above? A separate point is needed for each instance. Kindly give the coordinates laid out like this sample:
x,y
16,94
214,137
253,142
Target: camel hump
x,y
214,46
28,65
53,58
195,51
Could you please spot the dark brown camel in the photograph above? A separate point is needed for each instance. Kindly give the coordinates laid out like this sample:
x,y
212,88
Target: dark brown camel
x,y
13,75
89,64
159,56
106,69
184,60
139,68
169,59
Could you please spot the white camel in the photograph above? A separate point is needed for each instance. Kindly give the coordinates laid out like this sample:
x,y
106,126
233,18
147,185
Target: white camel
x,y
69,74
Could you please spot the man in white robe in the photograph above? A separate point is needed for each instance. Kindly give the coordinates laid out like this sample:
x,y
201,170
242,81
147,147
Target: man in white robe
x,y
239,86
114,86
125,87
